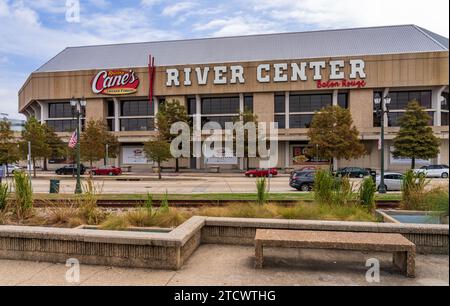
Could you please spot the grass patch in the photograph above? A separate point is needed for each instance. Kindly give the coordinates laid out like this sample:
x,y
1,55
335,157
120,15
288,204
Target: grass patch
x,y
299,212
272,197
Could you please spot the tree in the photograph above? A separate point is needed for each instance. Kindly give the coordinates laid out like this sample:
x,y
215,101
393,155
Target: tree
x,y
34,133
333,132
416,139
169,113
56,147
247,116
94,140
158,151
9,150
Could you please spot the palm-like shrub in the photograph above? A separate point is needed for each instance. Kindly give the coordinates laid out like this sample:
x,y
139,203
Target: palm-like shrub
x,y
261,191
4,193
328,190
367,194
413,191
23,200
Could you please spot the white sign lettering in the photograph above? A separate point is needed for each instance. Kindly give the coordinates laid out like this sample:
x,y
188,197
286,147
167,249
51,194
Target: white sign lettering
x,y
266,73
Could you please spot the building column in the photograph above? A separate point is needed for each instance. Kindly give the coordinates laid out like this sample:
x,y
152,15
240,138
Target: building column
x,y
335,97
436,104
36,112
198,131
116,115
44,111
287,154
287,111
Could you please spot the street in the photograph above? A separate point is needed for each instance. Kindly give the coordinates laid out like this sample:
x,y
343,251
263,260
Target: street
x,y
184,183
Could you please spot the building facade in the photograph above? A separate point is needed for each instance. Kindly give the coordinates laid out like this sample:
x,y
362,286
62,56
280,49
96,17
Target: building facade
x,y
283,78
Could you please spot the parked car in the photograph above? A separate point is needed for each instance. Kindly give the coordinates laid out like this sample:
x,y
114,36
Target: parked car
x,y
261,173
392,181
70,170
302,180
106,170
11,168
353,172
438,171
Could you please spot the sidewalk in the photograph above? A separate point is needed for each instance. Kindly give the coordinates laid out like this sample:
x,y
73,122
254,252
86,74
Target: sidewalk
x,y
234,266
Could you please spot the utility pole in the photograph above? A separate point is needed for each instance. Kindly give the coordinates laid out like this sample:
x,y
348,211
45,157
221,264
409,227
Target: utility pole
x,y
29,161
107,155
77,107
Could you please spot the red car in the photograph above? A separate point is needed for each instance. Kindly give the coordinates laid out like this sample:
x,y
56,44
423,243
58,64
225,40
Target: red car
x,y
261,173
106,170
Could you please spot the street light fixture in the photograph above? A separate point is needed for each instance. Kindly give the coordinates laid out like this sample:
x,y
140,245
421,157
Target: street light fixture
x,y
382,107
78,106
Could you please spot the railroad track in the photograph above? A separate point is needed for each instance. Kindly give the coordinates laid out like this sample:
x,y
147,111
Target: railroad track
x,y
193,203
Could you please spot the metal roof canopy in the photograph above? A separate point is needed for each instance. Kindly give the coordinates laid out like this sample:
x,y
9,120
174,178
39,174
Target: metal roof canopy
x,y
285,46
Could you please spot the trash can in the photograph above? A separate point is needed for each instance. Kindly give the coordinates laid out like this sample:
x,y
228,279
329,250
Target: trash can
x,y
54,186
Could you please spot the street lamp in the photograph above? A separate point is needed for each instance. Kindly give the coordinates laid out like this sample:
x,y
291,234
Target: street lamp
x,y
78,106
382,107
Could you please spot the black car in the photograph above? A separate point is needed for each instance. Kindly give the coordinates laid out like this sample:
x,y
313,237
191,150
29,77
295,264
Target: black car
x,y
70,170
302,180
353,172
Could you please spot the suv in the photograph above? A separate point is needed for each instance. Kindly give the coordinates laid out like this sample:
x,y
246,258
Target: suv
x,y
302,180
70,170
439,171
353,172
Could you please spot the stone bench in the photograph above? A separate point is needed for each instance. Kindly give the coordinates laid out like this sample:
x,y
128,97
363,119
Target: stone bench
x,y
404,250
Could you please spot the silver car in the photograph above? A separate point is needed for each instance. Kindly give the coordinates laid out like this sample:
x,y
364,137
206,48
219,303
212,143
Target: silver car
x,y
392,181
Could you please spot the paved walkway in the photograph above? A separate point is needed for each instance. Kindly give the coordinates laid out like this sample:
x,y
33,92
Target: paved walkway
x,y
233,265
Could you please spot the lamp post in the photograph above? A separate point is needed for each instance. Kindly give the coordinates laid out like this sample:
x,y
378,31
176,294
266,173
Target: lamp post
x,y
78,106
382,107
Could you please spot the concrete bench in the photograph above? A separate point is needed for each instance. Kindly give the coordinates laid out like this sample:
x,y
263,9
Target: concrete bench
x,y
404,250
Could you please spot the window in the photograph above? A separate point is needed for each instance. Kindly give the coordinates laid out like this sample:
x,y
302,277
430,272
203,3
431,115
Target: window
x,y
281,120
220,105
60,110
280,103
395,117
222,120
444,119
137,124
192,106
62,126
309,103
136,108
111,108
111,125
343,100
248,103
401,99
300,121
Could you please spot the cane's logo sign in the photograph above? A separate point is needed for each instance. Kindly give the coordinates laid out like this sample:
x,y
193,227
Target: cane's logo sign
x,y
115,82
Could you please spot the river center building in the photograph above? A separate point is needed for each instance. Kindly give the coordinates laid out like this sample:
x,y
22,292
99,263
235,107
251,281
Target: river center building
x,y
283,78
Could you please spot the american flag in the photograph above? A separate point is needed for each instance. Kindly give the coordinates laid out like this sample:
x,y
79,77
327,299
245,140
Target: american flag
x,y
73,141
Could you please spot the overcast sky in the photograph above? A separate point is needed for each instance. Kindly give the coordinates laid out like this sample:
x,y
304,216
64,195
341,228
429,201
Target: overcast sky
x,y
33,31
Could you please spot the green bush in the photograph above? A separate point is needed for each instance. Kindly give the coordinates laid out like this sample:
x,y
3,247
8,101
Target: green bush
x,y
4,194
413,192
23,200
438,200
367,194
328,190
324,184
261,191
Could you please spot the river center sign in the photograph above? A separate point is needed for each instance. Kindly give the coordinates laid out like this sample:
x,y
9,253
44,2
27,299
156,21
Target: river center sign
x,y
277,73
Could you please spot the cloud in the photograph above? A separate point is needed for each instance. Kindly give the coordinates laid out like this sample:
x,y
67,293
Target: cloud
x,y
177,8
348,13
238,25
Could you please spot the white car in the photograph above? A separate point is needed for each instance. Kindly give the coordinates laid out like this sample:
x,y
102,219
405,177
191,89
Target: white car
x,y
438,171
11,168
392,180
